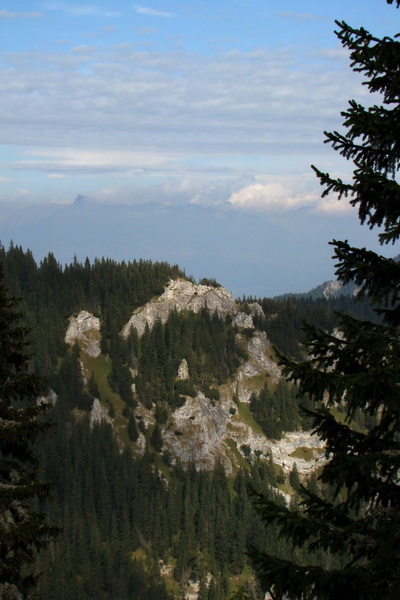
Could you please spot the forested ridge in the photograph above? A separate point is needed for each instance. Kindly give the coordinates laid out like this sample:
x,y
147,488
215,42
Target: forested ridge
x,y
122,515
286,316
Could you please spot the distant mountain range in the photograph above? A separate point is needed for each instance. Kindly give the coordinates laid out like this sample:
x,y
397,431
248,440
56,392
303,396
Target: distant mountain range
x,y
260,254
331,289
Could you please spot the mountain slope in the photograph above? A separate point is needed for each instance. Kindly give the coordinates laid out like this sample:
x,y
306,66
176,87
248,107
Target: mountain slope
x,y
167,405
206,425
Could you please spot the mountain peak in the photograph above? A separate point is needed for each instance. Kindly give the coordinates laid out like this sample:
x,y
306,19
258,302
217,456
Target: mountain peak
x,y
80,200
181,294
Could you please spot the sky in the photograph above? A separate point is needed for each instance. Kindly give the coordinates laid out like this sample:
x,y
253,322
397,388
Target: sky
x,y
215,104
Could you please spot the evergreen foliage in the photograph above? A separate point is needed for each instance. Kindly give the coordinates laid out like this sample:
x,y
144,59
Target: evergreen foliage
x,y
52,294
358,523
119,515
23,530
119,518
206,341
285,318
278,411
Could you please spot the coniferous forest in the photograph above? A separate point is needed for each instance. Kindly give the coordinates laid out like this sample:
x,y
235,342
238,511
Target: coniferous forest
x,y
99,496
143,526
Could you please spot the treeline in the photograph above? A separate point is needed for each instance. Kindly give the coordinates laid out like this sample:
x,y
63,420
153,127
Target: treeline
x,y
120,517
52,293
285,317
279,410
205,341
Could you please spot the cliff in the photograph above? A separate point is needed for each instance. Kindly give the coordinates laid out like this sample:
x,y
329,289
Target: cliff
x,y
203,430
181,295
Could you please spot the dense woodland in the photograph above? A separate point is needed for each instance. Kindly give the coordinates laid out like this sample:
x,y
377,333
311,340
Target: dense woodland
x,y
121,515
286,316
355,371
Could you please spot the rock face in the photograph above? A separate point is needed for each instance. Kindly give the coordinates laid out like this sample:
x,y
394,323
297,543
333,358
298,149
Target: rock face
x,y
84,328
260,362
256,310
206,431
98,414
196,431
332,289
203,434
183,371
287,451
179,295
50,399
243,320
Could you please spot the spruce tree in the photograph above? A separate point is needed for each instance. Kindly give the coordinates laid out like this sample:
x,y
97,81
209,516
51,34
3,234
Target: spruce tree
x,y
356,526
22,527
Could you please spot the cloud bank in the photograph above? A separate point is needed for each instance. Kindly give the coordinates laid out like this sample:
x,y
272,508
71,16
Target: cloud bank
x,y
243,104
138,118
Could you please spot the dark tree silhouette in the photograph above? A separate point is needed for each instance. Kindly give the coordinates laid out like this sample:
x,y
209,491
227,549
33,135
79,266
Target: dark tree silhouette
x,y
356,527
22,527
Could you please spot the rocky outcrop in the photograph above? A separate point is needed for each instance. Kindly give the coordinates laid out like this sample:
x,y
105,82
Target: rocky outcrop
x,y
201,433
196,432
244,321
205,432
180,295
84,329
50,399
260,362
288,451
98,414
332,289
183,371
256,310
246,439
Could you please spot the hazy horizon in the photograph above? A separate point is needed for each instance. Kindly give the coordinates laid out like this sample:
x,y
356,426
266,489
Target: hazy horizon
x,y
201,104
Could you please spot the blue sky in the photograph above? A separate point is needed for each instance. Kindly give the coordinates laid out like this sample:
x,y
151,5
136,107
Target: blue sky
x,y
210,103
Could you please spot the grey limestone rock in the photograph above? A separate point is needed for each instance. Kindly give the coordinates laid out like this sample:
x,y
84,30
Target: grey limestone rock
x,y
85,329
283,449
199,432
183,371
258,363
243,320
98,414
256,310
50,399
179,295
204,431
196,432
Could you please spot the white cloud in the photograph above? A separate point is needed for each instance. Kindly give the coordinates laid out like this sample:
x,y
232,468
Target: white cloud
x,y
295,193
332,205
6,14
271,196
108,29
152,12
250,104
78,160
81,10
147,30
128,113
